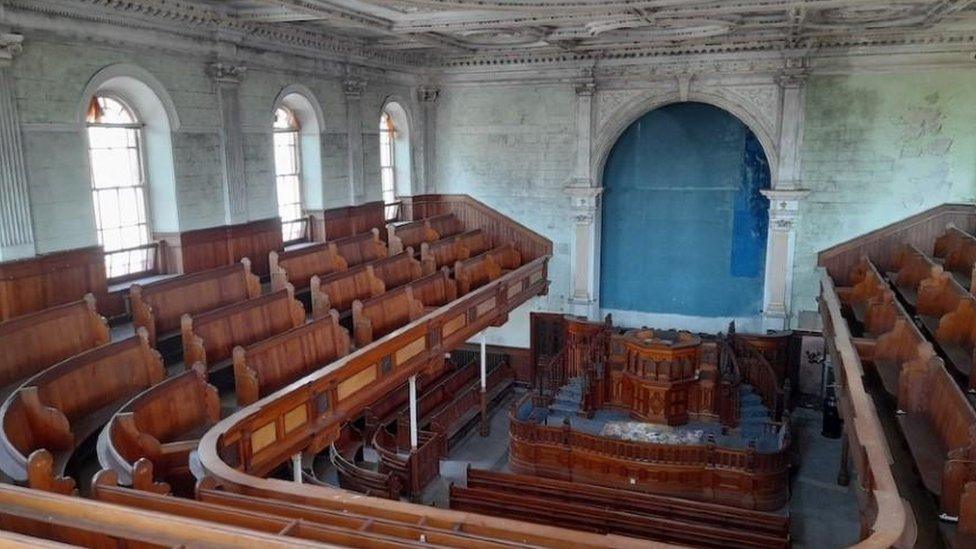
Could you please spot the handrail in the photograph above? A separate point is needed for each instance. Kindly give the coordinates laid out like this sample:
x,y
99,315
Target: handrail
x,y
864,429
759,373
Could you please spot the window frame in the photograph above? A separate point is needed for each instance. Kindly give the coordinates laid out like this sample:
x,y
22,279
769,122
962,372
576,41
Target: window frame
x,y
138,127
388,128
296,130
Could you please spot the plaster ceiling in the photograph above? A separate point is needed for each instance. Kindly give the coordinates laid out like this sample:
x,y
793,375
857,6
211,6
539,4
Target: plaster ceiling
x,y
449,30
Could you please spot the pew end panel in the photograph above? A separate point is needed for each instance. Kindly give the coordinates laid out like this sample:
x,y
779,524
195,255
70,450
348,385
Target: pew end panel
x,y
41,474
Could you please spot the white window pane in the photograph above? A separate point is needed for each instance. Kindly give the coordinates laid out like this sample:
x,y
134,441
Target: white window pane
x,y
112,239
385,156
108,209
105,138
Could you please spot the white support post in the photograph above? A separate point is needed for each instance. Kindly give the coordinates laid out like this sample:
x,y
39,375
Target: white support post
x,y
484,361
484,429
413,412
296,467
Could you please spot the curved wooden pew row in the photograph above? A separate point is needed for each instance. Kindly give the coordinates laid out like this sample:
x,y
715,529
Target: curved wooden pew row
x,y
475,272
297,267
157,307
266,366
210,338
53,412
398,269
361,248
338,290
162,425
34,342
447,251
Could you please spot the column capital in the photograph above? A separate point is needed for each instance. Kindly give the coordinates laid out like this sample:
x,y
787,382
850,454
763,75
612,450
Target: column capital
x,y
11,45
582,195
428,94
225,72
353,87
795,72
784,204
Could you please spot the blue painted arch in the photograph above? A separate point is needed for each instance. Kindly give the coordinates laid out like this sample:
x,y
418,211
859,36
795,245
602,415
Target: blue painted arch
x,y
684,224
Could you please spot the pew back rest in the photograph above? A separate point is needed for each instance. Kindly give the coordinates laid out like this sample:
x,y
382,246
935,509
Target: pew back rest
x,y
361,248
958,248
297,267
410,235
959,326
445,225
265,367
339,290
381,315
210,337
158,307
912,266
476,241
507,257
36,341
398,269
435,290
475,272
939,293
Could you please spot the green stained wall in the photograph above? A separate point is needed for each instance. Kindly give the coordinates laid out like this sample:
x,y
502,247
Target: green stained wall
x,y
878,148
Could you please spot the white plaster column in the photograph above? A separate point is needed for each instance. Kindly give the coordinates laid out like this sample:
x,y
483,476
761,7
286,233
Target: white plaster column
x,y
427,96
784,198
296,467
584,208
227,80
485,425
413,412
353,89
585,251
784,206
16,229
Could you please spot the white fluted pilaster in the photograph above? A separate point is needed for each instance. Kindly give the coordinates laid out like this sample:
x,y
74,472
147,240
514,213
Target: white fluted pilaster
x,y
227,79
353,89
16,229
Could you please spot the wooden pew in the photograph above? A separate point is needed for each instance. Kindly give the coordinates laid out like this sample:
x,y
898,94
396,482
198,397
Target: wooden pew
x,y
381,315
957,248
158,307
939,425
956,336
475,272
911,268
398,269
210,338
938,295
445,225
56,410
36,341
162,425
507,257
435,290
868,285
338,290
361,248
448,251
266,366
410,235
297,267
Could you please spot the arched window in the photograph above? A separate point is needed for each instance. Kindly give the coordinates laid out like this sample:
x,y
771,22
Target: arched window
x,y
118,178
388,158
288,174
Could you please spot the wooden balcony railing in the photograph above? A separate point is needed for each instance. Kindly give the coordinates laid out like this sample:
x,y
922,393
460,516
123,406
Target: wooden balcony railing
x,y
887,517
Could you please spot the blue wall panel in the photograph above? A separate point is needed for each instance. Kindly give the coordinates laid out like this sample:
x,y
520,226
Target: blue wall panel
x,y
684,225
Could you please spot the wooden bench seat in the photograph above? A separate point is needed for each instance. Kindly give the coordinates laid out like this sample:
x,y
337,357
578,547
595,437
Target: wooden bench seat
x,y
210,338
159,306
297,267
956,336
338,290
446,225
162,424
397,270
911,268
435,290
34,342
507,257
266,366
51,413
361,248
410,235
447,251
957,249
374,318
938,295
939,425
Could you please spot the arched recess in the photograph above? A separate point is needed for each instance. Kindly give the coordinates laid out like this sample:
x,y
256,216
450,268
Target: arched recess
x,y
684,226
146,94
610,131
307,109
402,147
